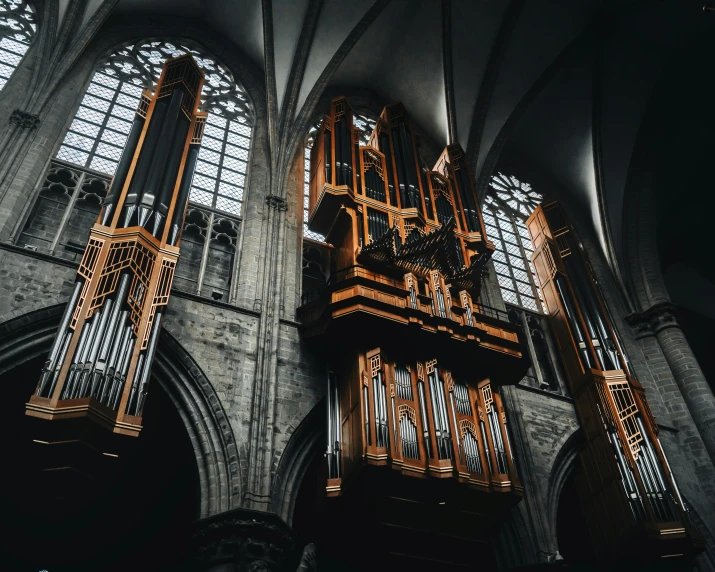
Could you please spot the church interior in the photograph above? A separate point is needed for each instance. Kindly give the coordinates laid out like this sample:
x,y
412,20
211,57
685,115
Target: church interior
x,y
349,285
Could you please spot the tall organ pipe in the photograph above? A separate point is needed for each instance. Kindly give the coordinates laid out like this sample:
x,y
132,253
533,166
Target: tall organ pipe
x,y
57,345
423,411
168,181
387,152
161,153
145,162
125,162
183,195
574,322
141,377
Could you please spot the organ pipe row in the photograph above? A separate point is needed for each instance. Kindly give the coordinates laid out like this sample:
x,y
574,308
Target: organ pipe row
x,y
417,419
629,491
100,361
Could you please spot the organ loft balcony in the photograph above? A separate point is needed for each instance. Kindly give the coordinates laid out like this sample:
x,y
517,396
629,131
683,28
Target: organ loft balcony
x,y
415,360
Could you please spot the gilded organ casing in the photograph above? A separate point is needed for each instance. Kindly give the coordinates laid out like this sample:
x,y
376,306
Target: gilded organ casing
x,y
628,493
415,362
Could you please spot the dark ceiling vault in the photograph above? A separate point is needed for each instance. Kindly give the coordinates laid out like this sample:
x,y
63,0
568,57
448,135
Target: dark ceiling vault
x,y
564,83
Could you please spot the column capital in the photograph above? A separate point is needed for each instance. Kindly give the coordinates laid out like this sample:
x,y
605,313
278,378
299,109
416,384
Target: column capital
x,y
243,540
654,319
23,119
276,202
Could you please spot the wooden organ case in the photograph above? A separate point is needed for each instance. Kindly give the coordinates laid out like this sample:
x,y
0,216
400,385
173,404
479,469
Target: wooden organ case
x,y
626,487
415,363
99,364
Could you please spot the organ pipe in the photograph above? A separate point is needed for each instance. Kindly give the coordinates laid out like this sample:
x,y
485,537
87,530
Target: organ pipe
x,y
100,362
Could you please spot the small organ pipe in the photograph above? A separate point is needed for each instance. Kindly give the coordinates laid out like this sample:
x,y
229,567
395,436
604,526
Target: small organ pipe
x,y
94,349
456,427
423,411
487,453
366,401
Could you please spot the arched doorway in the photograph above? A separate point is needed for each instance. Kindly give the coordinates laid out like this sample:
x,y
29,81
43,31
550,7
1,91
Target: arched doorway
x,y
134,513
571,526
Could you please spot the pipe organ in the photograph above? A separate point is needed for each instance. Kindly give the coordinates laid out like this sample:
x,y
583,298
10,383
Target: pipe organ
x,y
99,364
415,362
627,491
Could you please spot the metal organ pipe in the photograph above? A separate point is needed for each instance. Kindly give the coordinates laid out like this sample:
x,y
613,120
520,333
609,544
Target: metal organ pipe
x,y
333,428
500,454
380,407
573,322
423,411
471,453
59,342
183,196
159,159
439,408
125,162
144,164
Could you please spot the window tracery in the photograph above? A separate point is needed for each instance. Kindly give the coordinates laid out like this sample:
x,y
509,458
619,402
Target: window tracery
x,y
508,204
18,25
101,125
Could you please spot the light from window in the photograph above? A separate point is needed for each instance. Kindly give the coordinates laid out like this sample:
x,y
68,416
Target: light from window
x,y
365,125
17,29
508,204
101,125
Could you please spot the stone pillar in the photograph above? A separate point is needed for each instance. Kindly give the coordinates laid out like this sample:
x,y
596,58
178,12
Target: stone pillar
x,y
243,540
662,322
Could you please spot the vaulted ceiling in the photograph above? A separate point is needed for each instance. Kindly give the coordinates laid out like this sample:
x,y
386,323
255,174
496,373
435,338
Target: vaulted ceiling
x,y
564,84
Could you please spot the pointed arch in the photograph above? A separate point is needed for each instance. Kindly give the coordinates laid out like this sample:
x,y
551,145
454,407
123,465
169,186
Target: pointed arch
x,y
30,335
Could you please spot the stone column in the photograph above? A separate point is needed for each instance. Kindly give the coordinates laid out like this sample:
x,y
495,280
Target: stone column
x,y
243,540
661,320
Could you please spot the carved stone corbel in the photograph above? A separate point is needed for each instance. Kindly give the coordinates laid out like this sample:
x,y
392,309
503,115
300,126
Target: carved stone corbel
x,y
276,202
653,320
24,120
243,540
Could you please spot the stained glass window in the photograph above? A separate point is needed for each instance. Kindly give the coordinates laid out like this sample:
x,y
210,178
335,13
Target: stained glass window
x,y
101,125
18,25
508,204
365,125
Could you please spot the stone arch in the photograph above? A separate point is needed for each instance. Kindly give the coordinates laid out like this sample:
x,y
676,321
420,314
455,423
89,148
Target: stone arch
x,y
564,464
306,443
30,335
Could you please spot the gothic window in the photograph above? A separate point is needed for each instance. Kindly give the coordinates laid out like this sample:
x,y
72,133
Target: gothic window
x,y
365,125
17,30
508,204
101,125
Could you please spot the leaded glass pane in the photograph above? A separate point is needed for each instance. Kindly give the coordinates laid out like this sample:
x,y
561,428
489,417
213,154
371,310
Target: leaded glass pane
x,y
17,30
509,203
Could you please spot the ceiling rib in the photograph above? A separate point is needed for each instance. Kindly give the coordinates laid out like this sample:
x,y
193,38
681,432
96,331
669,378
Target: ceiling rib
x,y
448,70
271,91
300,125
491,73
300,60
